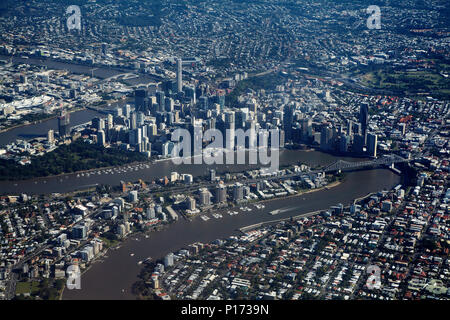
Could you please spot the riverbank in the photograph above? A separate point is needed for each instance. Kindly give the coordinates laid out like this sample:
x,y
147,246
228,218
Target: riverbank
x,y
119,271
167,226
149,232
327,187
68,159
39,121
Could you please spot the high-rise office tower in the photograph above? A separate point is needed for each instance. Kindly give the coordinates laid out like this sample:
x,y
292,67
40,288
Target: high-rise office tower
x,y
64,124
229,130
152,130
141,100
350,127
133,120
253,139
344,143
140,119
204,103
145,144
358,144
109,122
179,75
190,93
118,112
167,86
326,138
372,141
241,118
101,138
169,104
135,137
51,136
288,120
364,119
306,128
196,131
160,99
126,110
282,138
98,123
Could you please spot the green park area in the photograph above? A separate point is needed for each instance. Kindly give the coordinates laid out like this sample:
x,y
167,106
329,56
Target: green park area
x,y
27,288
266,82
77,156
413,82
45,289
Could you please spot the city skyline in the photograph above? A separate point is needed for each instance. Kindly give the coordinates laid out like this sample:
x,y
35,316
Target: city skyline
x,y
224,150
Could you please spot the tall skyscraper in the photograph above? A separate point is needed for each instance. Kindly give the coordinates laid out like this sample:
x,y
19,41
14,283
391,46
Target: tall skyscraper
x,y
288,120
168,260
306,128
221,193
229,130
152,130
101,138
126,110
51,137
350,127
238,192
372,141
190,93
204,103
364,119
196,131
133,120
326,138
64,124
98,123
160,99
110,122
358,144
135,137
169,104
141,99
179,75
205,197
190,203
344,143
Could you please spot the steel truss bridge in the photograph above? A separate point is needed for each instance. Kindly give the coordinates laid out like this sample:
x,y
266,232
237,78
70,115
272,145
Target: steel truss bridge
x,y
346,165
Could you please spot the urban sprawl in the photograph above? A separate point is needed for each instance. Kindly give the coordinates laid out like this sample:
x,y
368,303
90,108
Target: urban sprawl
x,y
311,71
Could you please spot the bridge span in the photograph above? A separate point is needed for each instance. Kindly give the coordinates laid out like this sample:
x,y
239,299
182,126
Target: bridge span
x,y
388,160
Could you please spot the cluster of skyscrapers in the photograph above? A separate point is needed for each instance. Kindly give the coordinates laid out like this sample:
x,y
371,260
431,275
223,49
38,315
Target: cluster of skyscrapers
x,y
161,108
352,139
